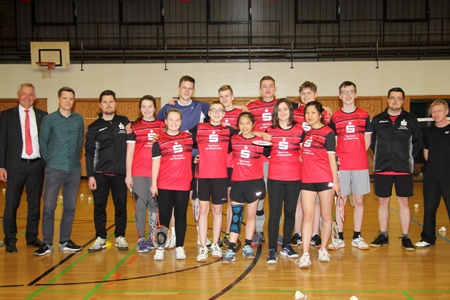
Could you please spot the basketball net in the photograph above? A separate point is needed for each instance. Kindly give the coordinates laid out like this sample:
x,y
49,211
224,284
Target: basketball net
x,y
46,69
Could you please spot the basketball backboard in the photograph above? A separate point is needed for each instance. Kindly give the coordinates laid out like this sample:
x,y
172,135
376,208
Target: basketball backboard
x,y
57,52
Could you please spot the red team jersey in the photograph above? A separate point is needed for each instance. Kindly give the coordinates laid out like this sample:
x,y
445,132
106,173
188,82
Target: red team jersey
x,y
316,146
231,117
247,162
262,111
212,142
175,172
142,136
284,163
350,129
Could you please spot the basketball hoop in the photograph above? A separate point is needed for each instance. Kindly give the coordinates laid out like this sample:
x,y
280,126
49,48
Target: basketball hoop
x,y
46,68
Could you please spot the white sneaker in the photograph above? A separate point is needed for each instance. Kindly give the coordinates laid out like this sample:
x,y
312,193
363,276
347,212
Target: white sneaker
x,y
202,254
98,245
359,243
341,244
180,253
172,243
323,255
159,254
304,261
121,244
423,244
216,252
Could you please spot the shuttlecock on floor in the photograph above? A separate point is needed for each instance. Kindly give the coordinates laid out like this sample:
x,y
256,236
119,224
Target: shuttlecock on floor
x,y
299,295
442,229
353,298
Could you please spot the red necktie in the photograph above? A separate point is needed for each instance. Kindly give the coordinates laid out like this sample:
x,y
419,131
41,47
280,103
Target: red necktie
x,y
28,143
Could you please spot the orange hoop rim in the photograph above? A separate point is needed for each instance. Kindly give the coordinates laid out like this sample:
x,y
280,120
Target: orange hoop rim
x,y
50,65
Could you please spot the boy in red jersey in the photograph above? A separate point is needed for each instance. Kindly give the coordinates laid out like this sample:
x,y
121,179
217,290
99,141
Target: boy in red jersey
x,y
319,177
226,97
212,140
353,131
139,167
248,184
171,178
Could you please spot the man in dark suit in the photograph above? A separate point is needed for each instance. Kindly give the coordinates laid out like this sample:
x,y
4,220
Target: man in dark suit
x,y
21,165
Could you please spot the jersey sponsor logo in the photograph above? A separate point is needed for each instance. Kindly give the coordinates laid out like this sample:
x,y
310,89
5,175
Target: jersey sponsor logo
x,y
446,132
350,128
101,129
267,116
307,143
306,127
403,123
177,148
121,128
150,135
213,137
283,145
245,153
383,121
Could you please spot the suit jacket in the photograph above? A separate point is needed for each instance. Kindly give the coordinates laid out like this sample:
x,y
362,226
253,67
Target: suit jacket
x,y
11,142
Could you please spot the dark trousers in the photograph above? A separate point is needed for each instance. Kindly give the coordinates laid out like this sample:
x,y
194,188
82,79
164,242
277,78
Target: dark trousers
x,y
30,176
178,201
279,192
432,193
119,195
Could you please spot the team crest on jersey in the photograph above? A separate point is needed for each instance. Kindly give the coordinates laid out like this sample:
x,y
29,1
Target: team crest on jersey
x,y
213,137
283,145
177,148
307,143
245,153
267,116
306,127
403,125
121,128
150,135
350,128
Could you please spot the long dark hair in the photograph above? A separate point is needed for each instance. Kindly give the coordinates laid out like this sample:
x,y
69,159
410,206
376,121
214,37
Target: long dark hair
x,y
319,108
146,97
275,119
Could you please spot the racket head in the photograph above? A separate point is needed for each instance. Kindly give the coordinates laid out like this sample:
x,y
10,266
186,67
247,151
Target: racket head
x,y
162,236
350,199
335,234
262,143
196,208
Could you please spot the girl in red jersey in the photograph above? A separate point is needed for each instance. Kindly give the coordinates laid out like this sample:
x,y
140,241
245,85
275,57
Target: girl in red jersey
x,y
171,177
283,183
247,186
139,167
319,177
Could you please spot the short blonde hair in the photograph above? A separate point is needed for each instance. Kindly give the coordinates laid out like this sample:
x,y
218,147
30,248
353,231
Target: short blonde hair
x,y
439,102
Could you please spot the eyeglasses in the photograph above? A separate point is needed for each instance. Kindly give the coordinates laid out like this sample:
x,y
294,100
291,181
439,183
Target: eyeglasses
x,y
351,93
216,110
396,98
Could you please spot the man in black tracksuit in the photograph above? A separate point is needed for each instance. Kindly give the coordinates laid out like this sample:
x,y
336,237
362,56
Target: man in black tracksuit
x,y
395,143
106,149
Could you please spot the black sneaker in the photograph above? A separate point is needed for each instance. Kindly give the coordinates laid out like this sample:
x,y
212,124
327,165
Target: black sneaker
x,y
407,244
296,239
379,241
69,246
316,241
272,257
288,251
44,249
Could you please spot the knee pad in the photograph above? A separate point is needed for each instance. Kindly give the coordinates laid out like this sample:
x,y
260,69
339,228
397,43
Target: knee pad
x,y
236,220
260,212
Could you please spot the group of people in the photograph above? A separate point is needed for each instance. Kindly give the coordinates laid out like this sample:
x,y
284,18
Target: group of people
x,y
301,153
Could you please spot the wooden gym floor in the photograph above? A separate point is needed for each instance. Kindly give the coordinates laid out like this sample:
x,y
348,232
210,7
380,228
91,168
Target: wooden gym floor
x,y
384,273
